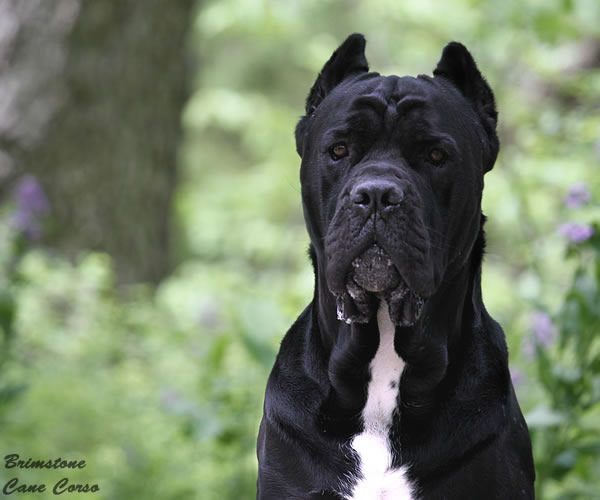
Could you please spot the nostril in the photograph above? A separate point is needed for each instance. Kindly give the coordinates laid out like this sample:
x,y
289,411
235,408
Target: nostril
x,y
392,197
360,197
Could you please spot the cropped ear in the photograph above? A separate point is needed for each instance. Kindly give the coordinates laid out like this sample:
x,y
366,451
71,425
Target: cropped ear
x,y
457,66
348,59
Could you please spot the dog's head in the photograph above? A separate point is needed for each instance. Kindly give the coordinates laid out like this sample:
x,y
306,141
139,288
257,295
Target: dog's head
x,y
392,177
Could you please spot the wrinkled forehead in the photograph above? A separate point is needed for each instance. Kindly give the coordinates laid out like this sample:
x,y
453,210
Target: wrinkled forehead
x,y
395,95
392,89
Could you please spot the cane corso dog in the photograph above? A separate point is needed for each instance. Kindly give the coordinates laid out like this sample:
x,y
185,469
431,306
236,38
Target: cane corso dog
x,y
394,383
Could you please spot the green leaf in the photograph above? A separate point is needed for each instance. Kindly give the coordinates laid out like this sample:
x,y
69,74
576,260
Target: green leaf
x,y
542,417
563,463
261,351
11,392
7,312
567,374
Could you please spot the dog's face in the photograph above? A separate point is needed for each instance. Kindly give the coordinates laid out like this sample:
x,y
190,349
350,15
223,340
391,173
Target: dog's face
x,y
392,177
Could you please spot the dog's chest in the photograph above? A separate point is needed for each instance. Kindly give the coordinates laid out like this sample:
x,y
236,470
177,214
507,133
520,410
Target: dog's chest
x,y
377,480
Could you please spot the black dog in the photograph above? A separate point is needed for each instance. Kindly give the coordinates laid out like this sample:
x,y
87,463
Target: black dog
x,y
394,382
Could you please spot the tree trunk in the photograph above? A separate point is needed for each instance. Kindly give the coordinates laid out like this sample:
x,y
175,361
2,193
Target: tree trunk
x,y
107,159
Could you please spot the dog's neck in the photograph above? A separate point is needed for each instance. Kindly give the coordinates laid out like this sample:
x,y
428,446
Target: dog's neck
x,y
428,347
457,304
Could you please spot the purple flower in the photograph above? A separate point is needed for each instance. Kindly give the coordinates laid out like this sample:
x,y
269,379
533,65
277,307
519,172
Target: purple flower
x,y
542,334
542,329
575,232
517,376
578,195
29,195
31,204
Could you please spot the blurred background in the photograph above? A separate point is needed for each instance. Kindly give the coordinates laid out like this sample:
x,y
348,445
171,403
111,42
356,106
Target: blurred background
x,y
153,250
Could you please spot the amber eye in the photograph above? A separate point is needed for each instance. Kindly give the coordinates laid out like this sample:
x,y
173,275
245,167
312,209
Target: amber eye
x,y
437,156
338,151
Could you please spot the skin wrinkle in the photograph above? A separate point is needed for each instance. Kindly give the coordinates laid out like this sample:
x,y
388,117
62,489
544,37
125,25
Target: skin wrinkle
x,y
411,220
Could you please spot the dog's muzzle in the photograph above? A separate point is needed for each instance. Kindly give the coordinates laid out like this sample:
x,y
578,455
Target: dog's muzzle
x,y
372,278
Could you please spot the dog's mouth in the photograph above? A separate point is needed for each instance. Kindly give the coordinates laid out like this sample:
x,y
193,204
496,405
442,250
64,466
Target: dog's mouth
x,y
374,277
374,271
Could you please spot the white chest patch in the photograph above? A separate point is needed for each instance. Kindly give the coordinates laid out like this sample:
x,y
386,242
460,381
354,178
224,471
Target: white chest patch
x,y
377,480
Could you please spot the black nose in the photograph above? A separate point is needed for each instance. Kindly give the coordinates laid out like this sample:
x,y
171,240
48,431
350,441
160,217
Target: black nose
x,y
376,194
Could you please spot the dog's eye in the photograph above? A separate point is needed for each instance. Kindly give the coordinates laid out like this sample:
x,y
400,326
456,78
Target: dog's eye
x,y
437,157
338,151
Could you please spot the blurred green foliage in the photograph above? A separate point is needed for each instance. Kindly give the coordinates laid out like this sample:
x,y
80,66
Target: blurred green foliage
x,y
566,422
160,390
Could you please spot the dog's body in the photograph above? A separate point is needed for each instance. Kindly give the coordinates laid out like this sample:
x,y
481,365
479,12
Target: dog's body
x,y
394,382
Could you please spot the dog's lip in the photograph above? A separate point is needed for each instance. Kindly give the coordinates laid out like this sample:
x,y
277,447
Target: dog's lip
x,y
372,277
357,304
405,305
339,270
